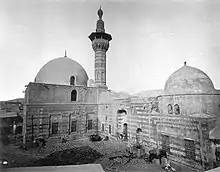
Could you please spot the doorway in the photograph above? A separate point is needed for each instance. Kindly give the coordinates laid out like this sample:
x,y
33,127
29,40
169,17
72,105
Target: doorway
x,y
190,149
55,128
165,143
125,131
138,135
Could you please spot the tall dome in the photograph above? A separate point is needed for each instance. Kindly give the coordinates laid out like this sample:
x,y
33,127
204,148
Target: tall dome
x,y
188,80
60,70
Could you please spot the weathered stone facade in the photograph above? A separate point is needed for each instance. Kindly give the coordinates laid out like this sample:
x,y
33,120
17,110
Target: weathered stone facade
x,y
53,93
178,122
59,103
191,104
46,104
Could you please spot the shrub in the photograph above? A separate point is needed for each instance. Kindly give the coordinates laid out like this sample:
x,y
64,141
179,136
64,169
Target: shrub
x,y
95,137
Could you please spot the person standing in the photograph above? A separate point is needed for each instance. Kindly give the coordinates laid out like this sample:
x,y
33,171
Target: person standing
x,y
14,127
217,154
213,147
213,155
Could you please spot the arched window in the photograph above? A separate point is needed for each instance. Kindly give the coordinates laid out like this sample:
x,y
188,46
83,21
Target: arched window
x,y
120,111
176,109
72,80
139,130
170,109
73,95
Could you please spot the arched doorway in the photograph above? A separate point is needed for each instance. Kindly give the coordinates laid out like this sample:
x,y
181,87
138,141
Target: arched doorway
x,y
18,130
138,135
121,121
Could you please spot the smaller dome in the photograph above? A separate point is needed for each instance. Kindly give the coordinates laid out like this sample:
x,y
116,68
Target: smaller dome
x,y
188,80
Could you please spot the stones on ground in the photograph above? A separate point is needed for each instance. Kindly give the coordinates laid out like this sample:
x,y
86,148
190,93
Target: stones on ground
x,y
77,155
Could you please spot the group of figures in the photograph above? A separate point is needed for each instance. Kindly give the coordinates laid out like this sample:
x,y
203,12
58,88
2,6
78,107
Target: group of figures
x,y
212,160
162,156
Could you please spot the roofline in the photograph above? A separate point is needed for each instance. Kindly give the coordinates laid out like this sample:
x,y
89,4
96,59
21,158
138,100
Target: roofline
x,y
190,94
76,103
61,85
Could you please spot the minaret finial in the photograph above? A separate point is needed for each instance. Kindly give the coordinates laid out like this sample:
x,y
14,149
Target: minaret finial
x,y
185,63
100,23
65,53
100,13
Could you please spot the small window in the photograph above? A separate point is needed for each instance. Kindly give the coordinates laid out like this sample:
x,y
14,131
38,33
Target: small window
x,y
170,109
103,75
89,124
110,129
73,95
55,127
176,109
103,127
73,126
72,80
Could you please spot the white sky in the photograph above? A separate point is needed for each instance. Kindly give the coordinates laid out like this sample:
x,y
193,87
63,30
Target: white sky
x,y
151,39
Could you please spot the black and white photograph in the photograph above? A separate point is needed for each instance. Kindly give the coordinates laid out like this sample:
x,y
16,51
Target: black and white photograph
x,y
110,85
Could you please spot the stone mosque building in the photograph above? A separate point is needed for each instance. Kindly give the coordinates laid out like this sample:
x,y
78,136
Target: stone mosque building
x,y
63,102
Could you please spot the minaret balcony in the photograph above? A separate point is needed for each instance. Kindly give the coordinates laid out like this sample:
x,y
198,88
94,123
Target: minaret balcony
x,y
100,44
99,35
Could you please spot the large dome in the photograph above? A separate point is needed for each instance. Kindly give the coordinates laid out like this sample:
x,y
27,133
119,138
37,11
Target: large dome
x,y
188,80
60,70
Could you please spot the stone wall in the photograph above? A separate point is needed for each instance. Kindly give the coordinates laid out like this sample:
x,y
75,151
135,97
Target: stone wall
x,y
49,93
181,131
192,104
39,117
108,115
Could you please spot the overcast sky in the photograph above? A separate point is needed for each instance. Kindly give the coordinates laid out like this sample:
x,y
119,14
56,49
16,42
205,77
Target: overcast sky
x,y
151,39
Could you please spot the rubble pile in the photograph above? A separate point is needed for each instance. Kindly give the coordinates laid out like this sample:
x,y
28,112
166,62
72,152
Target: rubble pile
x,y
74,156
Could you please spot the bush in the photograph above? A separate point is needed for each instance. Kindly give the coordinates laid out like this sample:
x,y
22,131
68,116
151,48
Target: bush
x,y
5,139
138,146
106,138
95,138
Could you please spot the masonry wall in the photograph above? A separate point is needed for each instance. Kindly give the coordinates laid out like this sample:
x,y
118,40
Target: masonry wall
x,y
192,104
39,118
177,129
50,93
108,116
180,130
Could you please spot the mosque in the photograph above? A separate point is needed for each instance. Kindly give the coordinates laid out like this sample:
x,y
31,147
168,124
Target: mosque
x,y
63,102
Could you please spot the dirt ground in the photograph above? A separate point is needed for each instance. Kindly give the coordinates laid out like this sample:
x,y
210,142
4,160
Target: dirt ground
x,y
110,154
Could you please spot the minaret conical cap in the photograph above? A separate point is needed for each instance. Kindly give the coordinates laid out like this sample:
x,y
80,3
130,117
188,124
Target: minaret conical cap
x,y
100,23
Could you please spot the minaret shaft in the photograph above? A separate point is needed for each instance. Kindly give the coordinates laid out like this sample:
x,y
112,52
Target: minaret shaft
x,y
100,67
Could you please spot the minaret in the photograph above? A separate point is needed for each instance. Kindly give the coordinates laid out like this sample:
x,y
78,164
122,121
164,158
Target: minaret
x,y
100,44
